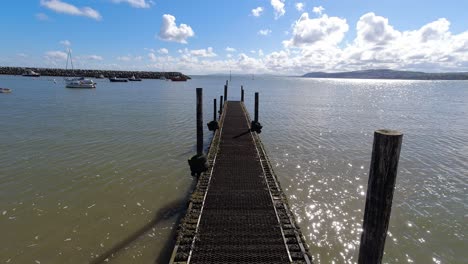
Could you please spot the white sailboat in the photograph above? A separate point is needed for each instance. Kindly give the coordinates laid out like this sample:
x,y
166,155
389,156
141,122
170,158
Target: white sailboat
x,y
77,82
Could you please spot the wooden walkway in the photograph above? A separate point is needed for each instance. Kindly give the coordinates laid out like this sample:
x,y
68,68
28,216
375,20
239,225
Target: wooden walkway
x,y
238,213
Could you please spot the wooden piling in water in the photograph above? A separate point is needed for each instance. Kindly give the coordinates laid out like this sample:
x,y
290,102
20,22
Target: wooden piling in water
x,y
256,108
214,109
242,93
220,105
381,184
225,92
199,121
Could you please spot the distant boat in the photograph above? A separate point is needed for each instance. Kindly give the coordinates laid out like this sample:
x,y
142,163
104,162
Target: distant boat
x,y
133,79
101,76
77,82
31,73
5,90
178,78
115,79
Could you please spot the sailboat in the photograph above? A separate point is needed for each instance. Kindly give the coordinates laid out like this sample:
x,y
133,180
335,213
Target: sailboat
x,y
77,82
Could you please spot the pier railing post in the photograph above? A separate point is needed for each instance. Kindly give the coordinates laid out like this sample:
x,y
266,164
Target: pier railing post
x,y
380,187
255,125
220,105
242,93
198,163
225,92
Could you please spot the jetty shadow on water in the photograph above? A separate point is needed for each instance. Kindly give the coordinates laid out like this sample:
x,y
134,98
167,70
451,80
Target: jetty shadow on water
x,y
174,209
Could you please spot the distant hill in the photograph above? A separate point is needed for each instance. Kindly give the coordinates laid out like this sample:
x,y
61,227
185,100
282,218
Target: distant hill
x,y
390,74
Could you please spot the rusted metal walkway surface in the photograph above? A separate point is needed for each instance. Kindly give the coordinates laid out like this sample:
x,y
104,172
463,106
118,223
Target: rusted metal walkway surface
x,y
238,213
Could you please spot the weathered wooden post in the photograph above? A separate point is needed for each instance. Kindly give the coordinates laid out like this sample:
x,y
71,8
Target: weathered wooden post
x,y
220,105
256,107
213,125
242,93
225,92
198,163
380,187
255,125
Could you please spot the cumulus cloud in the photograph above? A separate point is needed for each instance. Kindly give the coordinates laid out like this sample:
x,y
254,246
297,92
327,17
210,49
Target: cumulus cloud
x,y
163,51
65,43
278,6
257,11
55,55
306,31
229,49
375,30
318,10
203,52
300,6
136,3
171,32
69,9
152,56
93,57
264,32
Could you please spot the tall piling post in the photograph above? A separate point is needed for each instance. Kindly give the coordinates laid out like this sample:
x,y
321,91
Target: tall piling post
x,y
255,125
242,93
199,121
199,162
213,125
380,188
225,92
221,105
214,109
256,107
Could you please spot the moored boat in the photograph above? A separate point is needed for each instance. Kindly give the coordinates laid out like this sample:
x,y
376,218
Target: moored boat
x,y
178,78
80,82
31,73
5,90
134,79
115,79
77,82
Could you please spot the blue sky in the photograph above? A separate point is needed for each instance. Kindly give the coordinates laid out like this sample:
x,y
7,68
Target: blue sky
x,y
256,36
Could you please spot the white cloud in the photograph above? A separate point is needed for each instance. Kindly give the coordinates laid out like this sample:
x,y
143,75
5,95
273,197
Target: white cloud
x,y
22,55
264,32
375,30
306,31
42,17
163,51
318,10
55,55
300,6
90,58
124,58
65,43
278,6
66,8
260,53
152,56
170,32
203,52
257,11
136,3
229,49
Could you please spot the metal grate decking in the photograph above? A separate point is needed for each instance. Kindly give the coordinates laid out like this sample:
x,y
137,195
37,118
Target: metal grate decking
x,y
243,217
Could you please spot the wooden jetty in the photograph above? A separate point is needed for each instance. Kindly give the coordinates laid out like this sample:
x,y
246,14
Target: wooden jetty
x,y
238,212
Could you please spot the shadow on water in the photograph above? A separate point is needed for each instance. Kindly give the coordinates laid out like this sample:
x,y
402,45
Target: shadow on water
x,y
173,209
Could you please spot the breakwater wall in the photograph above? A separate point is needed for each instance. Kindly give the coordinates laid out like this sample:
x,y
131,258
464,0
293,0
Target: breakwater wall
x,y
91,73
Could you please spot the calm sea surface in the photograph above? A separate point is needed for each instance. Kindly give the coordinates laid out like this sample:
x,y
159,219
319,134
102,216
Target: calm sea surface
x,y
84,170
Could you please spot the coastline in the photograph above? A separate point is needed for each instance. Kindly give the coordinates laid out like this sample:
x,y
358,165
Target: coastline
x,y
90,73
